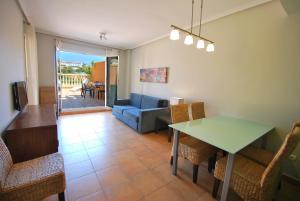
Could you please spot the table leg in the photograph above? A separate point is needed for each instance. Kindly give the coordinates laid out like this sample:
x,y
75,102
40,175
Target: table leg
x,y
175,151
228,171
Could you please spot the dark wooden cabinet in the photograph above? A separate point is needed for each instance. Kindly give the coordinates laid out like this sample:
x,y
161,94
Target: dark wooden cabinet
x,y
33,133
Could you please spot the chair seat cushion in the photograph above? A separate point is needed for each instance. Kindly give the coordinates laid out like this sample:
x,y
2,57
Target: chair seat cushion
x,y
47,169
121,108
132,114
245,178
195,150
261,156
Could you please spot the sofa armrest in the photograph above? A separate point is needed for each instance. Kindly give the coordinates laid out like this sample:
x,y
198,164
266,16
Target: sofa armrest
x,y
122,102
147,118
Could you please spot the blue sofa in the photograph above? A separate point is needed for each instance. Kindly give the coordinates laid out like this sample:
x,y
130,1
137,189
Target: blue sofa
x,y
140,111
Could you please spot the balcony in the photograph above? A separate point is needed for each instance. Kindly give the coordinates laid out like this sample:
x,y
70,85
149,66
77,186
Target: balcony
x,y
71,93
70,80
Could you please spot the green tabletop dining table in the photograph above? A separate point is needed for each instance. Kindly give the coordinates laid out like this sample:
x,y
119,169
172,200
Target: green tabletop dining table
x,y
226,133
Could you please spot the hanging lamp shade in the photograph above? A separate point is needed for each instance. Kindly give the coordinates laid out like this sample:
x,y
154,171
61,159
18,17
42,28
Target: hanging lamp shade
x,y
210,47
188,40
200,44
174,35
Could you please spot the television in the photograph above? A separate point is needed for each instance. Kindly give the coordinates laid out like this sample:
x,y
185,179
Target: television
x,y
20,95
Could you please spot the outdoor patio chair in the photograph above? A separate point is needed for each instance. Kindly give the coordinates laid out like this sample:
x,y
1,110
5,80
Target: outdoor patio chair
x,y
87,88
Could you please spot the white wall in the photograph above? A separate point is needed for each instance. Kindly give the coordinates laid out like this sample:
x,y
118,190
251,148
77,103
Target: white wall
x,y
46,59
12,59
253,74
123,84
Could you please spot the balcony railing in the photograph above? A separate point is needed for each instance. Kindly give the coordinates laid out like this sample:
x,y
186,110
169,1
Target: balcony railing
x,y
70,80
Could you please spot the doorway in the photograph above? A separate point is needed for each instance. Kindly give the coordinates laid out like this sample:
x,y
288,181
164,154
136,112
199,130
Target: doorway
x,y
81,81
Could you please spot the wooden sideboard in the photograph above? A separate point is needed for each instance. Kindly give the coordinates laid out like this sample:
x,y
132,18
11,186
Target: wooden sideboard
x,y
33,133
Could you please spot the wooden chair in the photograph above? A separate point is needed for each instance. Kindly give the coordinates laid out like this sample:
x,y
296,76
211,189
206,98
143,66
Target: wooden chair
x,y
31,180
253,181
190,148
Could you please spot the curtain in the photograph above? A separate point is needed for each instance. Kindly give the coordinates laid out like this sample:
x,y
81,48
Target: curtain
x,y
31,65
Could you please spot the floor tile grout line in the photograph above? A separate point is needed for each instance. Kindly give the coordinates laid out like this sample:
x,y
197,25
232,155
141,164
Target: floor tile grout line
x,y
84,174
129,148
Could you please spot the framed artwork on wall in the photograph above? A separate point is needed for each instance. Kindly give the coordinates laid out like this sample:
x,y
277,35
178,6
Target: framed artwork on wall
x,y
157,75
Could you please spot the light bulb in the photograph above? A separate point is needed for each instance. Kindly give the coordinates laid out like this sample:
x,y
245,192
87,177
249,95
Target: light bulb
x,y
188,40
210,48
200,44
174,35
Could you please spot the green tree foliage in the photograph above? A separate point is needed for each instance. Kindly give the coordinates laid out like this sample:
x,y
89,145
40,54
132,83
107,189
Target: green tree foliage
x,y
67,70
86,69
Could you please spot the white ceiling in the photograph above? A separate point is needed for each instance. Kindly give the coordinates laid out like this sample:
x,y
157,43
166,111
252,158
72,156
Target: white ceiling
x,y
128,23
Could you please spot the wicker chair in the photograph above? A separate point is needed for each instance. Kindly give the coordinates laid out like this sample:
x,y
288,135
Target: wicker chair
x,y
31,180
259,155
190,148
198,112
255,182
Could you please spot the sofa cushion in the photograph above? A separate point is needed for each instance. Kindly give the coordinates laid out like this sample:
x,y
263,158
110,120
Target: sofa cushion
x,y
135,100
132,114
149,102
120,108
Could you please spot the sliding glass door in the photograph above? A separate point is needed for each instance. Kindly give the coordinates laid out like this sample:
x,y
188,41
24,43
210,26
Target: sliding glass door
x,y
112,68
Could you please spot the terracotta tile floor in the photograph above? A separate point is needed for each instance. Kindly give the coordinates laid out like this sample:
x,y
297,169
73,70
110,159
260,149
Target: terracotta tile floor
x,y
107,161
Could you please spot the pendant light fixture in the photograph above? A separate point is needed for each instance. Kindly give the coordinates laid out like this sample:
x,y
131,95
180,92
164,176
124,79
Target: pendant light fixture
x,y
189,40
200,43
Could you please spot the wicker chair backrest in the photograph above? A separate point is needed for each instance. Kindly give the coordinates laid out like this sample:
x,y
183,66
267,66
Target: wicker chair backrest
x,y
5,163
198,110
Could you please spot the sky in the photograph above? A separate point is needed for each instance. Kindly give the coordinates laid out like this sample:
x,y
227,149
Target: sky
x,y
77,57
